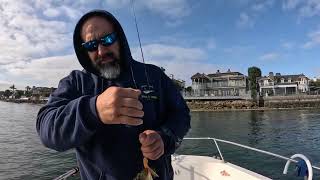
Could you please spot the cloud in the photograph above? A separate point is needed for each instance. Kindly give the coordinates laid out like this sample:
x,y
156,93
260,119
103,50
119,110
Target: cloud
x,y
262,6
288,45
48,71
311,8
36,29
51,12
44,71
184,71
177,60
36,36
211,44
314,40
291,4
165,52
245,21
26,34
238,49
305,8
269,56
172,8
116,4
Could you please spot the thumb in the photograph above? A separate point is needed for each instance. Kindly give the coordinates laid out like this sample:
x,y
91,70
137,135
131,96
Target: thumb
x,y
142,137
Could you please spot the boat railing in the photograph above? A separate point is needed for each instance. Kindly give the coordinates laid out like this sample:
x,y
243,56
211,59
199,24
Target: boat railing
x,y
291,159
67,174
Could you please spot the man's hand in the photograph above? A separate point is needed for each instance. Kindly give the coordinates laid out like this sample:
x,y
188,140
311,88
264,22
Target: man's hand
x,y
118,105
152,146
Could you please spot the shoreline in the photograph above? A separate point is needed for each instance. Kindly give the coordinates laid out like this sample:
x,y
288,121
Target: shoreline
x,y
253,109
18,101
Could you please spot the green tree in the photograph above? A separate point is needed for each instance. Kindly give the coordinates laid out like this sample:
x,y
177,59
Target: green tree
x,y
253,74
315,83
28,93
18,94
189,89
7,93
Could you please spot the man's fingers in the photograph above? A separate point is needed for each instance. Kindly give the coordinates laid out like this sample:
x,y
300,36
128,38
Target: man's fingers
x,y
131,102
151,148
129,120
150,139
129,93
131,112
154,155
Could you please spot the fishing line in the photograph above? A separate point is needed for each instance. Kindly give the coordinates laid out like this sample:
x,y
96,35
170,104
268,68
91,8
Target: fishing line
x,y
137,29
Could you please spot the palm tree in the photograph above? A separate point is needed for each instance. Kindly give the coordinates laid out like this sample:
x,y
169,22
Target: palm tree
x,y
13,88
28,88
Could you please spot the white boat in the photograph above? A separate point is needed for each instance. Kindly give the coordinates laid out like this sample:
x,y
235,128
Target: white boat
x,y
204,168
191,167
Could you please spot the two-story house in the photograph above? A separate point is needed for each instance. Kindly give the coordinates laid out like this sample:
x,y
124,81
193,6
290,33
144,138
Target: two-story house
x,y
219,84
283,84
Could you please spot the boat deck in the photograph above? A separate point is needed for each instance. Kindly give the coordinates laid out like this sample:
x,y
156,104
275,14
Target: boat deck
x,y
208,168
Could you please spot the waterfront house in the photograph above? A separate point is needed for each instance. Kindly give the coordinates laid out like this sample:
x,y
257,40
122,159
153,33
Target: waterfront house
x,y
281,85
41,92
219,84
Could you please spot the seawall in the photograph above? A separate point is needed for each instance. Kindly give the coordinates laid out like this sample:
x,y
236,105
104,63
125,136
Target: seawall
x,y
296,101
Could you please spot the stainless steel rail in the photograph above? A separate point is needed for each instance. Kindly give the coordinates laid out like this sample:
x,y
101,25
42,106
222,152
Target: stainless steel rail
x,y
215,140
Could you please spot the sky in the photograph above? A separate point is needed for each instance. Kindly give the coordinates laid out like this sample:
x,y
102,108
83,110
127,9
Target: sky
x,y
183,36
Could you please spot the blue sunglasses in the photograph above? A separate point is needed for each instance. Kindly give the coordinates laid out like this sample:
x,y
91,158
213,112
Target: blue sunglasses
x,y
106,40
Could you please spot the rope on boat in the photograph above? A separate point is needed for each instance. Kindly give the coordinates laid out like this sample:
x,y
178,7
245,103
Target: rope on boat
x,y
246,147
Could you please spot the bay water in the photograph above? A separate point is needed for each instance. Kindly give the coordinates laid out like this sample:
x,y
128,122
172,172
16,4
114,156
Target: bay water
x,y
285,132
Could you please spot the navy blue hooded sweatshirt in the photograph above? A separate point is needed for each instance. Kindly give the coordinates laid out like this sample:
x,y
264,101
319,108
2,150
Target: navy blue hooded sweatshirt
x,y
69,119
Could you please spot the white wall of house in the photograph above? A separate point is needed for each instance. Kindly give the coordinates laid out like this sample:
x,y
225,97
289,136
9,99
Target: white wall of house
x,y
226,87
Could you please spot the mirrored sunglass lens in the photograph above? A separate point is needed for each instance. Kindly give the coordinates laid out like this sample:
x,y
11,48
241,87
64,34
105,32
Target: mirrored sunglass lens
x,y
107,40
91,45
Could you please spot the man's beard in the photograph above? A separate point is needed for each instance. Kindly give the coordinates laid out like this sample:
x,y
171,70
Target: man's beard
x,y
110,70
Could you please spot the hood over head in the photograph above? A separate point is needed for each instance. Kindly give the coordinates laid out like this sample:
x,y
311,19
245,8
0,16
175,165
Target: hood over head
x,y
82,54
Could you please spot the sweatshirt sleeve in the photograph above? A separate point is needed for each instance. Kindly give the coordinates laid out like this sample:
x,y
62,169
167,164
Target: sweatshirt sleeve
x,y
68,120
177,122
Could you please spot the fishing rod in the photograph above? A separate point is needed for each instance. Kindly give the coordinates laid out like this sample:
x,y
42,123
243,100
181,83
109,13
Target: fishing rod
x,y
149,88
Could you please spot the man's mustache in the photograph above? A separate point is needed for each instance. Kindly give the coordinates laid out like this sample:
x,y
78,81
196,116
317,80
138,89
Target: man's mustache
x,y
106,55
